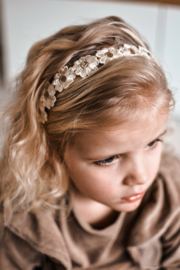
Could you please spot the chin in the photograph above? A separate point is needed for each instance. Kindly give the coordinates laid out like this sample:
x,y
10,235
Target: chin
x,y
128,207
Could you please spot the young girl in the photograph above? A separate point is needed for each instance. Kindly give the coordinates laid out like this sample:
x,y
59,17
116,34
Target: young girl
x,y
83,184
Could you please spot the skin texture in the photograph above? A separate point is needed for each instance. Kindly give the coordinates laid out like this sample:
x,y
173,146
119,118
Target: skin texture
x,y
101,184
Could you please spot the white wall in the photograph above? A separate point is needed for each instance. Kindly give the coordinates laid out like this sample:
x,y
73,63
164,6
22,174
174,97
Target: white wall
x,y
27,21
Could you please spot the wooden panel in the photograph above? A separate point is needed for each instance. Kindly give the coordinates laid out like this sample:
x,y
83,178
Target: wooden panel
x,y
167,2
1,49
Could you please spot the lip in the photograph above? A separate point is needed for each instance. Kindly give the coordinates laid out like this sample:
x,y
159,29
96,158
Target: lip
x,y
134,197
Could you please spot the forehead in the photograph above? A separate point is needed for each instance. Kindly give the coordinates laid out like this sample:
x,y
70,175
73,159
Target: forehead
x,y
129,135
130,113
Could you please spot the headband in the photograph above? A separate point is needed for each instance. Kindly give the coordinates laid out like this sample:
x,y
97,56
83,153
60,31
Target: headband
x,y
83,67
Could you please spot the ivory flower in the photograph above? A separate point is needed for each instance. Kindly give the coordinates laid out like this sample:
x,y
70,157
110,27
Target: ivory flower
x,y
47,100
86,65
48,97
64,78
145,52
107,54
129,50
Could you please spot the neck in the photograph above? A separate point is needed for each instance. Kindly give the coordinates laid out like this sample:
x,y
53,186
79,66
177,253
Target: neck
x,y
92,212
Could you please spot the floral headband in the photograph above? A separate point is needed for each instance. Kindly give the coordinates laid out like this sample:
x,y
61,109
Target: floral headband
x,y
83,67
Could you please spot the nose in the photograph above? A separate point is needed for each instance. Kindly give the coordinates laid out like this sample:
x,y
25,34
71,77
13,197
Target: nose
x,y
137,171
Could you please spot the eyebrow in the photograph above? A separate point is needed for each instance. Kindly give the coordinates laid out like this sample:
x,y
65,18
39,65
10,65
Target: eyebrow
x,y
159,135
103,158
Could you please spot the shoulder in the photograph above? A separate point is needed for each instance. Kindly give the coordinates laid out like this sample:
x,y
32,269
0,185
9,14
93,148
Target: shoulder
x,y
169,174
33,227
160,207
170,165
37,231
16,252
155,232
164,194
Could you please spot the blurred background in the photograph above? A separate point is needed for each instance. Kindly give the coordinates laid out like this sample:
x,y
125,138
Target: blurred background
x,y
23,22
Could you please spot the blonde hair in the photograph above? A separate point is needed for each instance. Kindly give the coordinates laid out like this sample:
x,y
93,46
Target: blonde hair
x,y
32,170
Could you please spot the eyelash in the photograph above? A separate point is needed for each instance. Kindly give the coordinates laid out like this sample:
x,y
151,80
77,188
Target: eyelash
x,y
153,144
110,160
106,161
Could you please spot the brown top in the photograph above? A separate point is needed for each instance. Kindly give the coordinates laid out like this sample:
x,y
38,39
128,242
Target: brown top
x,y
91,248
147,238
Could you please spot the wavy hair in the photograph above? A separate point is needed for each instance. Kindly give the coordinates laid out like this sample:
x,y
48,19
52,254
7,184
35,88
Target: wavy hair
x,y
32,169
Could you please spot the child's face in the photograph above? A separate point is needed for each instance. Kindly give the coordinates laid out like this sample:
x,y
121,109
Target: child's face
x,y
117,165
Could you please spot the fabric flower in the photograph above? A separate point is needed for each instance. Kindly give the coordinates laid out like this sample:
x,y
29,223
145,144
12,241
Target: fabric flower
x,y
48,97
129,50
64,78
42,117
107,54
47,100
145,52
86,65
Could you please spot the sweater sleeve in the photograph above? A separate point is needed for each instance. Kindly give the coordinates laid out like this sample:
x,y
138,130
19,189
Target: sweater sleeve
x,y
17,254
171,245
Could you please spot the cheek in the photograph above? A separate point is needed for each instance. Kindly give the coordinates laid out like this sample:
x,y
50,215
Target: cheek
x,y
154,160
91,180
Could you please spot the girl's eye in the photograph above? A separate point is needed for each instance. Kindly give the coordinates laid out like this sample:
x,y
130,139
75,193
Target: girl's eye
x,y
153,144
106,161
